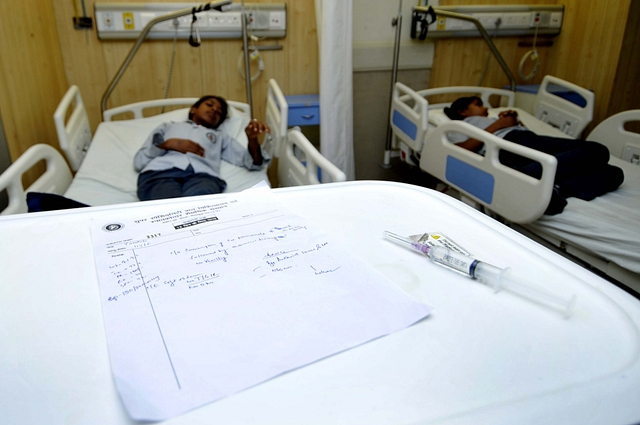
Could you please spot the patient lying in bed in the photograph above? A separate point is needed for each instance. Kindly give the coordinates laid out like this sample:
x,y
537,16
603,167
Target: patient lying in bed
x,y
582,172
183,158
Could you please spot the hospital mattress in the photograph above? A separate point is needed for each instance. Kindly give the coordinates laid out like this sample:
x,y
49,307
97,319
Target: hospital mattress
x,y
107,176
608,226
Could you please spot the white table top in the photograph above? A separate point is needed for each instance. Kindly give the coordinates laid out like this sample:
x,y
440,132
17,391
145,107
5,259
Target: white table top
x,y
479,357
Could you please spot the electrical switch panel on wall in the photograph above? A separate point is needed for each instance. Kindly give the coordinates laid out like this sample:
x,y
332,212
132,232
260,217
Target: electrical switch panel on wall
x,y
127,20
500,20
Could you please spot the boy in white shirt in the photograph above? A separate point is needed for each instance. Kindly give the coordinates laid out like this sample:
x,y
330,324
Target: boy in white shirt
x,y
183,158
583,170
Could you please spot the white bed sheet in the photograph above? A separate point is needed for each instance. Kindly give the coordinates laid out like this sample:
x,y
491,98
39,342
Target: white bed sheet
x,y
608,226
107,176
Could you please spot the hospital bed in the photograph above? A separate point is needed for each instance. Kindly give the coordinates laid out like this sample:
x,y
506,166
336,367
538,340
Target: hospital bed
x,y
104,162
604,232
479,358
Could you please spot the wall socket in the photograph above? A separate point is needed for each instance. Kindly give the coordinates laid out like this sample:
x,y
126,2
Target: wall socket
x,y
501,20
127,20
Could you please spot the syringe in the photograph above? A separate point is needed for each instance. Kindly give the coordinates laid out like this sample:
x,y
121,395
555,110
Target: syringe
x,y
490,275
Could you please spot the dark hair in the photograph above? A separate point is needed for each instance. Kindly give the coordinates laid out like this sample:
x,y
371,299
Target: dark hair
x,y
460,104
223,103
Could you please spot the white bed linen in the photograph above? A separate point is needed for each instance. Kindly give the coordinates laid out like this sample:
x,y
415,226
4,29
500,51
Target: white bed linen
x,y
107,176
608,226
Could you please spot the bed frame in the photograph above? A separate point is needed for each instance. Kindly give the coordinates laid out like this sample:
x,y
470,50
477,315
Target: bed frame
x,y
483,182
512,195
299,162
56,178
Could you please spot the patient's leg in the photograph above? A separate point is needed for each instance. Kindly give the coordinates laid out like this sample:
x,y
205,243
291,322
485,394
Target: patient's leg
x,y
162,184
202,184
595,183
575,157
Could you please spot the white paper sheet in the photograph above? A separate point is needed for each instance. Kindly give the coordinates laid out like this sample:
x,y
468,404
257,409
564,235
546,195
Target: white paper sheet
x,y
208,298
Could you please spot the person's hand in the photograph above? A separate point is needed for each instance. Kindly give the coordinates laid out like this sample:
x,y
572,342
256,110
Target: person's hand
x,y
508,113
507,121
255,128
182,146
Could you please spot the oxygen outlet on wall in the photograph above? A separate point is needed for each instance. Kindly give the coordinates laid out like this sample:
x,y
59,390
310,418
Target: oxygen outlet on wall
x,y
632,154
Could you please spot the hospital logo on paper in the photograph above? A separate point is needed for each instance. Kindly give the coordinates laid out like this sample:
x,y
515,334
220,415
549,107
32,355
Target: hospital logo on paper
x,y
112,227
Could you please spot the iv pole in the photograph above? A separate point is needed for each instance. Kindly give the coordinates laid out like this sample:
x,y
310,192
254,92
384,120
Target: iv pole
x,y
247,70
440,12
397,22
217,5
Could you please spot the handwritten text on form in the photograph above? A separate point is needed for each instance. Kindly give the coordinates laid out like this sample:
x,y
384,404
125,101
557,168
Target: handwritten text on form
x,y
211,298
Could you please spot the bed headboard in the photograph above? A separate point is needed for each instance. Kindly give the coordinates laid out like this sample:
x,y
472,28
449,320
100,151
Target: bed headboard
x,y
409,116
561,113
507,97
74,135
138,108
410,109
620,142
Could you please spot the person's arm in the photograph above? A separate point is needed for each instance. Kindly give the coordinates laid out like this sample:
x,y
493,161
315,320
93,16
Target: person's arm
x,y
150,149
505,119
182,146
249,156
253,130
156,145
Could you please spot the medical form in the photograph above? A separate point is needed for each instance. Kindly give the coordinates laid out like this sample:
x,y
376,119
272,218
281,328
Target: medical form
x,y
213,295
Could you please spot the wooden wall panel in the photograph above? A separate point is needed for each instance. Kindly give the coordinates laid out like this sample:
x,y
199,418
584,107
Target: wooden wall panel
x,y
302,61
626,85
81,55
458,62
31,74
209,69
462,61
586,52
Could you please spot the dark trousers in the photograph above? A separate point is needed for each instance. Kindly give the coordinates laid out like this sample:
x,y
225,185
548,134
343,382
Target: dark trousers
x,y
175,183
583,170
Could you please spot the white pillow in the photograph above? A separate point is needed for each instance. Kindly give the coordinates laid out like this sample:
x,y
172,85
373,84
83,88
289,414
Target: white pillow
x,y
438,117
233,125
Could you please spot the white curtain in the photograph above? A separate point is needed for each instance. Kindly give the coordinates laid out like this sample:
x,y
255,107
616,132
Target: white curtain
x,y
334,22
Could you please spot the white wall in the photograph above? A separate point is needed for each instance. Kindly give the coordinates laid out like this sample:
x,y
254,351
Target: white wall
x,y
374,36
